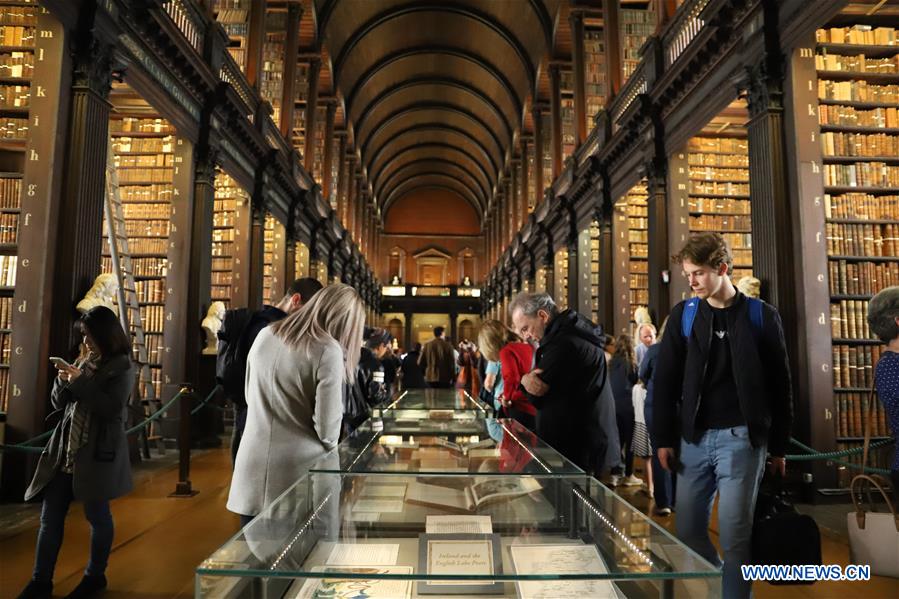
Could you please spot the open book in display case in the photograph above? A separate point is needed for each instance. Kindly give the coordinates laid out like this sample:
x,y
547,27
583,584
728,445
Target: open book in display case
x,y
338,534
438,410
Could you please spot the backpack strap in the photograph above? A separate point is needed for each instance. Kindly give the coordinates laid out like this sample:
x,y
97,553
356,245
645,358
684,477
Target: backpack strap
x,y
756,314
688,316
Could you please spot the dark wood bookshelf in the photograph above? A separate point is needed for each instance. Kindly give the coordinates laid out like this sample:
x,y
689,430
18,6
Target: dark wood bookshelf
x,y
854,159
855,342
864,258
857,129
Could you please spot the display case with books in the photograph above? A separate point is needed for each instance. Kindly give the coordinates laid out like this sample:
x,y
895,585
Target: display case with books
x,y
433,410
234,17
858,97
143,149
230,212
396,535
499,446
18,21
719,194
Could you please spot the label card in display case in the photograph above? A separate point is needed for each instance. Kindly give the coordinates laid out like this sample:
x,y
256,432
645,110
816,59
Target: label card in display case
x,y
454,555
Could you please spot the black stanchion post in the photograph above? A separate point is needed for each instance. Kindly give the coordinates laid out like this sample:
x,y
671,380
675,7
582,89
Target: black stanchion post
x,y
182,487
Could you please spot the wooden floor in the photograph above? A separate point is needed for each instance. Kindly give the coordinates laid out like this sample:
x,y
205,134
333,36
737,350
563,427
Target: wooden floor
x,y
159,541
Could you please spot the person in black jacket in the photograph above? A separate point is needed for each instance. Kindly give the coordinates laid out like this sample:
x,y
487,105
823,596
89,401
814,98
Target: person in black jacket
x,y
623,377
567,383
298,294
722,399
413,376
370,373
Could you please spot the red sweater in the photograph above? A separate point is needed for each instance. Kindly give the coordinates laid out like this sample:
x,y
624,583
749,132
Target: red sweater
x,y
516,360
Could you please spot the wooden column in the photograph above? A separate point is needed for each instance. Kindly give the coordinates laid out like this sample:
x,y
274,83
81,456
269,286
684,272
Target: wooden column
x,y
288,89
255,42
539,183
279,265
290,261
574,259
660,251
620,276
555,108
350,208
241,281
669,228
523,184
80,241
256,252
341,178
34,299
315,67
582,281
606,270
576,19
612,46
327,183
515,200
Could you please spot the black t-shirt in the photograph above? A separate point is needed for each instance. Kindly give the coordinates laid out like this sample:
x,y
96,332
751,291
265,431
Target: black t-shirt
x,y
719,406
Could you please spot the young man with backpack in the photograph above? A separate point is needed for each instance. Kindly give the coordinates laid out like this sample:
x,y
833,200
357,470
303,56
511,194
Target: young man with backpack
x,y
723,368
239,330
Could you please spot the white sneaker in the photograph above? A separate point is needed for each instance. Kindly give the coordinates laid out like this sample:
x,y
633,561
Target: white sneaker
x,y
632,481
665,511
613,480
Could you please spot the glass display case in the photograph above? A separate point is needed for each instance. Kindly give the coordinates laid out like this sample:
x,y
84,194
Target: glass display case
x,y
500,446
438,410
403,535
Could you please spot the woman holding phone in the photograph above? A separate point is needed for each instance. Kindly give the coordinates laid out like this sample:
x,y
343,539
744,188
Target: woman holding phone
x,y
87,456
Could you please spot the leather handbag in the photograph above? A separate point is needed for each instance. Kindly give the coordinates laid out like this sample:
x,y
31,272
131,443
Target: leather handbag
x,y
873,536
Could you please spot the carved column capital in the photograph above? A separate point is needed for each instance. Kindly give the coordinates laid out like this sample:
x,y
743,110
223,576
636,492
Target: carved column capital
x,y
763,82
93,66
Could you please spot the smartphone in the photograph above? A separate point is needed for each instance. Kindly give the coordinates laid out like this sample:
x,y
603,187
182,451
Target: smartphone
x,y
59,362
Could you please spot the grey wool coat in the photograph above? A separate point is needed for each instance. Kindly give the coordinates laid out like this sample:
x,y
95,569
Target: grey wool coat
x,y
102,468
294,414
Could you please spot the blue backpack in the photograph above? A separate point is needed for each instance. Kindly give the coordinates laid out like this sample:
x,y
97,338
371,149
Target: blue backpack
x,y
692,306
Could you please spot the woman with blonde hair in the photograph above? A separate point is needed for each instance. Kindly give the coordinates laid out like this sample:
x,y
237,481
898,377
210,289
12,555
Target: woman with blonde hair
x,y
514,358
296,371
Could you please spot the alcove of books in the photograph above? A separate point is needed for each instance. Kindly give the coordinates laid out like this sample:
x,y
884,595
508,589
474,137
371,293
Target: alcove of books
x,y
234,16
631,249
857,68
271,82
595,86
18,21
560,273
594,233
231,226
301,268
637,22
566,90
301,89
274,256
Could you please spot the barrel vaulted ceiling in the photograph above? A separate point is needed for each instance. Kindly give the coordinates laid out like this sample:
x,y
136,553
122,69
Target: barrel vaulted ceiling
x,y
435,91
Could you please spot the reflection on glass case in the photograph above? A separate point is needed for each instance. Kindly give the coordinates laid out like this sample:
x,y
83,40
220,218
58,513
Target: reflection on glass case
x,y
498,446
441,410
406,535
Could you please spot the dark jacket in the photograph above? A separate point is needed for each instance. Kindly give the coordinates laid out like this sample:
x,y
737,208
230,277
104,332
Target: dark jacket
x,y
574,367
102,469
622,377
438,361
413,377
370,377
761,373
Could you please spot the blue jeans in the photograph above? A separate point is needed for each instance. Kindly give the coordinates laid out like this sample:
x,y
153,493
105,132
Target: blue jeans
x,y
58,496
664,482
726,462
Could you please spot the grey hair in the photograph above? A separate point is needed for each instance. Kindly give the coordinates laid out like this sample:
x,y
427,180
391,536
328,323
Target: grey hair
x,y
531,303
883,310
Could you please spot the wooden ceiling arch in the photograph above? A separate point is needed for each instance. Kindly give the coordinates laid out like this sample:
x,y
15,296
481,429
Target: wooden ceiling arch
x,y
430,164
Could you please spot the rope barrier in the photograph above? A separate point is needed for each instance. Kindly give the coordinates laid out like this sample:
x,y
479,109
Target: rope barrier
x,y
814,455
26,446
205,401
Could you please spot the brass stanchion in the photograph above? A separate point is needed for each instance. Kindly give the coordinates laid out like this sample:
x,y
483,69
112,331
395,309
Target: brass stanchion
x,y
182,487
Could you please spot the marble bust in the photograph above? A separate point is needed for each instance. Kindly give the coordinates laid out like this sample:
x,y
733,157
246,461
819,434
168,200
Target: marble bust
x,y
750,287
211,325
102,293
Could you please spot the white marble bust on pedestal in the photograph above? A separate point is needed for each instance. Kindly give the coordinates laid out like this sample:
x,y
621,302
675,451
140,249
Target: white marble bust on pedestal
x,y
211,326
102,293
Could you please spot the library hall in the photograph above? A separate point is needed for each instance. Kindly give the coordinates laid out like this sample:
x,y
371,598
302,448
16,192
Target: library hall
x,y
534,299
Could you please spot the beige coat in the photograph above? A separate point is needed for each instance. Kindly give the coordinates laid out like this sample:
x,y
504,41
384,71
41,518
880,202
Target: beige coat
x,y
294,412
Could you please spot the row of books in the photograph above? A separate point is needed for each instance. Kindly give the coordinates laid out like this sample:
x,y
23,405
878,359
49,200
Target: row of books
x,y
719,188
711,173
19,15
849,320
15,96
5,312
150,291
638,222
145,175
144,160
853,366
727,161
849,116
153,318
13,128
862,240
136,125
221,264
852,409
737,147
156,193
223,248
17,64
713,222
223,234
861,174
639,281
861,206
4,389
863,35
151,228
857,91
9,226
856,64
123,145
881,457
639,297
5,346
16,35
861,278
8,266
159,211
143,246
141,267
10,190
721,205
155,351
859,144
